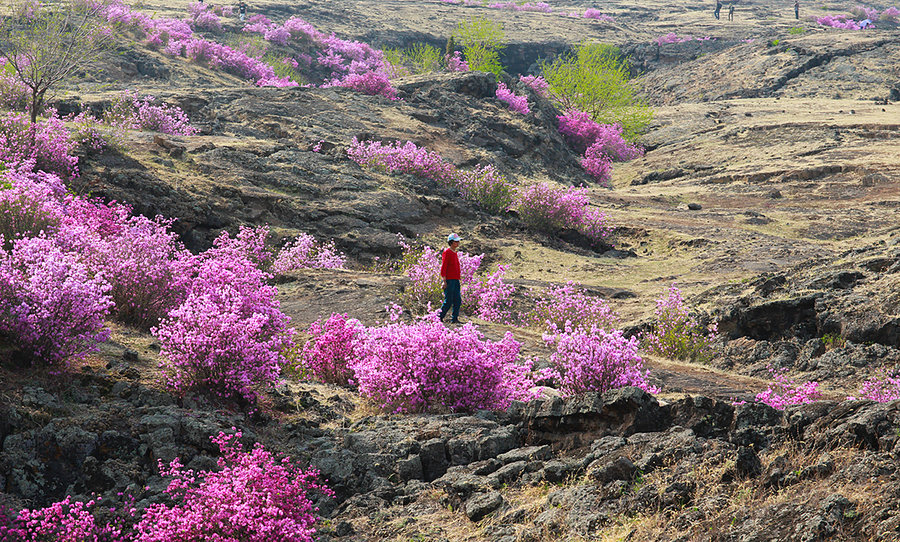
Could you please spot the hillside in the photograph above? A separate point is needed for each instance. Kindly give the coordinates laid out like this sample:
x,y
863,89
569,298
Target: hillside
x,y
767,192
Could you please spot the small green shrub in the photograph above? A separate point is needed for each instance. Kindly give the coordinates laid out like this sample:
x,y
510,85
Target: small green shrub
x,y
481,40
595,78
419,58
796,30
774,43
833,340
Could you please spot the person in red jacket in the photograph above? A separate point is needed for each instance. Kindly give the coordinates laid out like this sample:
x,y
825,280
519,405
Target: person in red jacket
x,y
450,272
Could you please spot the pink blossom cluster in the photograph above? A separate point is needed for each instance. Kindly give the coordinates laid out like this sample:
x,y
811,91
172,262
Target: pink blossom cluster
x,y
838,21
484,186
569,306
331,346
601,143
891,14
518,104
427,366
598,15
423,267
204,17
13,93
783,392
541,7
596,360
676,333
30,204
490,298
536,83
229,335
371,83
550,209
52,307
43,146
161,117
221,56
864,12
305,252
252,497
884,389
456,63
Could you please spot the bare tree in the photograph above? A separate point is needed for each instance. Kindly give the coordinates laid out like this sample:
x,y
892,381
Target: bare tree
x,y
47,44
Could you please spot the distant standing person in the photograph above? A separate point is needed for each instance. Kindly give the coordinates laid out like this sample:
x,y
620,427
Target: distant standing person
x,y
796,9
451,273
731,12
718,8
242,9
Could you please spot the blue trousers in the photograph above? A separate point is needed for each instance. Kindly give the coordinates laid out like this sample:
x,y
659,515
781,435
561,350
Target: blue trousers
x,y
452,298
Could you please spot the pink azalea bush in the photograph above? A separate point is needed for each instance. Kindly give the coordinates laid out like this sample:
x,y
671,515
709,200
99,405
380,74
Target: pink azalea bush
x,y
485,186
44,146
601,143
423,267
596,360
598,15
30,204
891,14
490,298
64,521
783,392
13,93
427,366
331,347
551,209
204,17
838,21
252,497
864,12
677,333
371,83
518,104
142,258
569,306
456,63
537,83
883,389
52,307
305,252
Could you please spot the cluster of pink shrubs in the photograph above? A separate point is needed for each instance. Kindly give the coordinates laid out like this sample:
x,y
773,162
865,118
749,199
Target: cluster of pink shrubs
x,y
204,16
838,21
419,366
677,333
43,146
252,496
672,37
597,15
484,186
891,14
518,104
783,392
601,143
864,12
881,389
568,306
12,92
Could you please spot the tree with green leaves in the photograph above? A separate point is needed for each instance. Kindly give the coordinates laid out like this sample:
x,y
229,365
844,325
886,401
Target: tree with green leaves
x,y
596,78
46,44
481,40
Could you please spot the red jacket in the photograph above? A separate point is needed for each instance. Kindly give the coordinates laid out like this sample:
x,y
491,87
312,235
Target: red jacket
x,y
450,265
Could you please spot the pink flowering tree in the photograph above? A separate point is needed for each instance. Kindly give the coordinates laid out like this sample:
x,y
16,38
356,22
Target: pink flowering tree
x,y
677,333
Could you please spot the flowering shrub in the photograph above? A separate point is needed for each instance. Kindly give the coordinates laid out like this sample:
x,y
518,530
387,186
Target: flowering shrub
x,y
519,104
304,252
783,392
13,94
63,521
426,366
883,390
864,12
598,15
330,349
598,165
559,307
597,360
371,83
550,209
891,15
838,21
202,16
485,186
536,83
401,158
44,146
142,258
253,497
455,62
489,298
51,306
676,333
30,203
423,266
161,117
601,143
